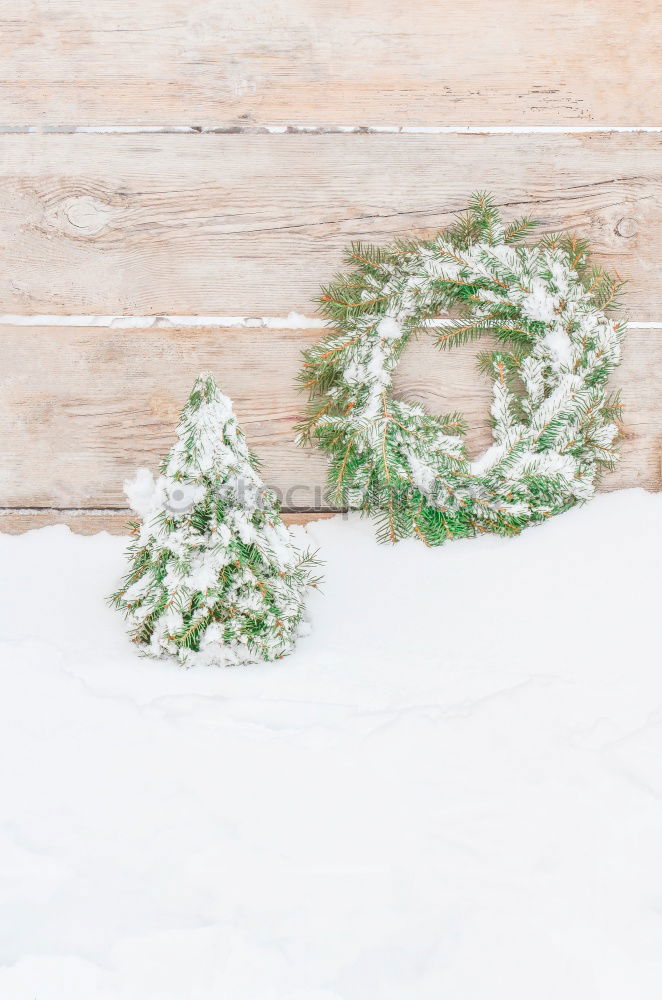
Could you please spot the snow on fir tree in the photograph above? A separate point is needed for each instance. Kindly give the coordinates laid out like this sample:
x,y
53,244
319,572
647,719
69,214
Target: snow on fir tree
x,y
215,577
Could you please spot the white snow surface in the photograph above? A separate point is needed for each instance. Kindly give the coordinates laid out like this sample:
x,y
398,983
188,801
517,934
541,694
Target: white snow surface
x,y
452,789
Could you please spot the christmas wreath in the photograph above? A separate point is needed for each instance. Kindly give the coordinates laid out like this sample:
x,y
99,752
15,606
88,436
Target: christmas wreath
x,y
554,423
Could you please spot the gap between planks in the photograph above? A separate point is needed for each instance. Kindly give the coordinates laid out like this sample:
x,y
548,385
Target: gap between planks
x,y
267,129
294,321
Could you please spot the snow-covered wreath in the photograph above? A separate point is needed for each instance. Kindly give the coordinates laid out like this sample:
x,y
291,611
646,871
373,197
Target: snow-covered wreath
x,y
554,424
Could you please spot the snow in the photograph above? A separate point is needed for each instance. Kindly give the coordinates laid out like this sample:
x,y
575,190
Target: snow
x,y
141,493
389,328
452,789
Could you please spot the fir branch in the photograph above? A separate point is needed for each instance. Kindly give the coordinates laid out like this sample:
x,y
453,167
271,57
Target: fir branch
x,y
543,305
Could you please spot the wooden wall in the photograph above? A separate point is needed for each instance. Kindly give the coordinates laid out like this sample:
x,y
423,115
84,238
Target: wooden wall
x,y
177,178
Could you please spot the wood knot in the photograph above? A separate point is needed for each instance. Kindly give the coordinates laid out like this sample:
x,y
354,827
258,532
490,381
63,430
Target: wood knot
x,y
627,227
82,215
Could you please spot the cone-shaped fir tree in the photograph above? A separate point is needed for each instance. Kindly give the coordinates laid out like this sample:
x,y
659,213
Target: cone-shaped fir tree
x,y
215,577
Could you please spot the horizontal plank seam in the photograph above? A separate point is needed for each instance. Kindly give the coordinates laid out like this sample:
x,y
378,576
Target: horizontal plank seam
x,y
6,511
293,129
294,321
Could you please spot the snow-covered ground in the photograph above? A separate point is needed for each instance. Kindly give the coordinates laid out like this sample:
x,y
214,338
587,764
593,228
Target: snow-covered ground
x,y
451,791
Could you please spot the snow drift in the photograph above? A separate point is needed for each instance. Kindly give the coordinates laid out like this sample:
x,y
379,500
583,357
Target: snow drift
x,y
452,789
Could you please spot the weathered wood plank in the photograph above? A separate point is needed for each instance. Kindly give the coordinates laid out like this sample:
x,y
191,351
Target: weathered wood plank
x,y
366,62
251,225
81,408
89,522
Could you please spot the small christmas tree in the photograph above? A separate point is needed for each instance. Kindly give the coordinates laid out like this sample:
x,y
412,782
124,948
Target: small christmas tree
x,y
215,577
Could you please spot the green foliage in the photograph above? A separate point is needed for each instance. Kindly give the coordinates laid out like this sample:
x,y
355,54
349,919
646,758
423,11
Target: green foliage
x,y
214,576
542,307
